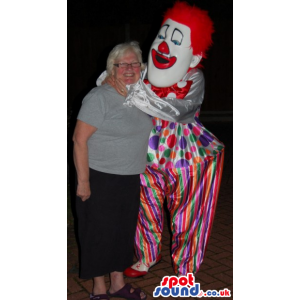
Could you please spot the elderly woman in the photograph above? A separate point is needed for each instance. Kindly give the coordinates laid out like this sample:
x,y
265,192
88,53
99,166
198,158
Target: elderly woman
x,y
110,146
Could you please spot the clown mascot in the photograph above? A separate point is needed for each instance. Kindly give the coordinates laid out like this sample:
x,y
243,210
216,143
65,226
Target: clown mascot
x,y
185,160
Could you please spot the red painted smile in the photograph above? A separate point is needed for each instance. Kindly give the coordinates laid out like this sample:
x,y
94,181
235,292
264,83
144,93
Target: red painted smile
x,y
162,62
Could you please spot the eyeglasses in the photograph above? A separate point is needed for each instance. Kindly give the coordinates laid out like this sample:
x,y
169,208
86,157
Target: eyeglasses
x,y
125,65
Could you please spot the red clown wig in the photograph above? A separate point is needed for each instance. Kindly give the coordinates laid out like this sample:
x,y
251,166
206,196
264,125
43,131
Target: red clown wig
x,y
197,20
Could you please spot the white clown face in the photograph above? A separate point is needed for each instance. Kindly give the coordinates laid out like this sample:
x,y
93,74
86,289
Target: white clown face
x,y
171,54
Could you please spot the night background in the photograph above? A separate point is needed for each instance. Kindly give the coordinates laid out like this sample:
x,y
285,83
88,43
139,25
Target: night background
x,y
95,27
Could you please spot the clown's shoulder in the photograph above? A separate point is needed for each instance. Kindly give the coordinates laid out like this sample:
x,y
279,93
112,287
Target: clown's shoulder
x,y
194,74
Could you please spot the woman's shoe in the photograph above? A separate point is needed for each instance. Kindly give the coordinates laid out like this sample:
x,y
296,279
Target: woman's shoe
x,y
124,292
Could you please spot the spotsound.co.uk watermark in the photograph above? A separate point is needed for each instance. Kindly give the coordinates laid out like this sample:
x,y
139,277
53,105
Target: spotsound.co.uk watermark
x,y
185,286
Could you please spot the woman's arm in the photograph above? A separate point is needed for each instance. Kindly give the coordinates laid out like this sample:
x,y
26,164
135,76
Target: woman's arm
x,y
82,133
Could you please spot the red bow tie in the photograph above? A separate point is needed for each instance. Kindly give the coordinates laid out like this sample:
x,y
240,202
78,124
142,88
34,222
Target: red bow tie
x,y
164,91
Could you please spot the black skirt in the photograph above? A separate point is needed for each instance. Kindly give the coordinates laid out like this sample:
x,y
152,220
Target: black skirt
x,y
107,223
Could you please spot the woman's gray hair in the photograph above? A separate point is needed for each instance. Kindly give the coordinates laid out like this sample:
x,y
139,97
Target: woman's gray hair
x,y
119,51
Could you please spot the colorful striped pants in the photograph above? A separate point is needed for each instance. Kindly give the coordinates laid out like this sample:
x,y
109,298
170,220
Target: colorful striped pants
x,y
191,194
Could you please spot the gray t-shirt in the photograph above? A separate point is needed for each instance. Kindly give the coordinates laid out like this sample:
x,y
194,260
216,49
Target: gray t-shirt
x,y
119,145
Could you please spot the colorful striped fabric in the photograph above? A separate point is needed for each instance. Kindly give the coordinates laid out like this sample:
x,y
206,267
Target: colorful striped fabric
x,y
191,193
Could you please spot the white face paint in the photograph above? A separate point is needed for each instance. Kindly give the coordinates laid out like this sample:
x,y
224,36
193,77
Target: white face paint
x,y
171,54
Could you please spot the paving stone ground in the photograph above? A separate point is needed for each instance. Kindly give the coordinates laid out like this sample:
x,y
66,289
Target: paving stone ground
x,y
216,271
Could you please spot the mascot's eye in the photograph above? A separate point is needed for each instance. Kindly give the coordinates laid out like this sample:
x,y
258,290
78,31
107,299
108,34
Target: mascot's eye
x,y
176,43
162,32
177,37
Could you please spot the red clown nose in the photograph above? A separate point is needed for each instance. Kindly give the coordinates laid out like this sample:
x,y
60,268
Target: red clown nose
x,y
164,48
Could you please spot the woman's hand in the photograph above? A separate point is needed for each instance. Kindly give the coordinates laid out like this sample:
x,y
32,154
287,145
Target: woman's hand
x,y
83,190
82,133
120,86
117,84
